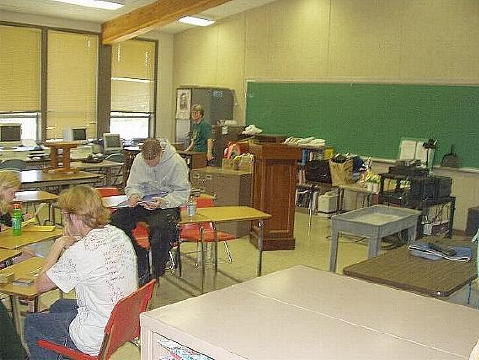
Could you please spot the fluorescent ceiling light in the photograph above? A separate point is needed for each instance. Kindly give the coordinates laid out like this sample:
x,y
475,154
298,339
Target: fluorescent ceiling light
x,y
100,4
192,20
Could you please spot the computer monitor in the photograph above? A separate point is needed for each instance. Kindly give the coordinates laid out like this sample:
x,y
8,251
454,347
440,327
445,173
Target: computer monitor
x,y
75,134
111,143
10,134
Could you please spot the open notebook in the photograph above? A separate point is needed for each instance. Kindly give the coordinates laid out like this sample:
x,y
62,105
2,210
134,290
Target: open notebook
x,y
118,201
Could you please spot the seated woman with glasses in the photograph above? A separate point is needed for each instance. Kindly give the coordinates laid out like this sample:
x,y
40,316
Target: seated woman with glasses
x,y
95,259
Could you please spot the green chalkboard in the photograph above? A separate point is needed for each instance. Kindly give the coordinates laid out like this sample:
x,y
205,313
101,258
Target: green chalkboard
x,y
370,119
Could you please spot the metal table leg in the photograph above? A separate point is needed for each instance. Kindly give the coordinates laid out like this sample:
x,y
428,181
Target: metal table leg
x,y
260,248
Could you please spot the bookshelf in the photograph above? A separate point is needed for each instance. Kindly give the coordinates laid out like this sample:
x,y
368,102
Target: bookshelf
x,y
307,192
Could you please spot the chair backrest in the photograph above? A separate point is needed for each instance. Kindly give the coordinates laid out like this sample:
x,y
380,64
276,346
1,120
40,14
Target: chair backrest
x,y
108,191
13,164
124,322
203,202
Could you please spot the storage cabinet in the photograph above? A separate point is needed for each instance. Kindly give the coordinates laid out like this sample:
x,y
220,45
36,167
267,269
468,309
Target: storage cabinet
x,y
230,187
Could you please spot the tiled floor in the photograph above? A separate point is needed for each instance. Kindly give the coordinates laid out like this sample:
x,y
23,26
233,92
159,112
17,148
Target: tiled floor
x,y
312,249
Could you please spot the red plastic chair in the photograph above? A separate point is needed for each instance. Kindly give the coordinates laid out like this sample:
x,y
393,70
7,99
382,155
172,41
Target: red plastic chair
x,y
123,326
191,232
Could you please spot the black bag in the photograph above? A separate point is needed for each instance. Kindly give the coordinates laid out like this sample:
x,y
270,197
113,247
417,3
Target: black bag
x,y
317,171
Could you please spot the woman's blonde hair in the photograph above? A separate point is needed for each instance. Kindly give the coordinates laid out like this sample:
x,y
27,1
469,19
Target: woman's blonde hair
x,y
8,180
85,202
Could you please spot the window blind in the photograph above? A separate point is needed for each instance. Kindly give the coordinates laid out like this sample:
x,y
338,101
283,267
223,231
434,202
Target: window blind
x,y
133,76
72,82
20,68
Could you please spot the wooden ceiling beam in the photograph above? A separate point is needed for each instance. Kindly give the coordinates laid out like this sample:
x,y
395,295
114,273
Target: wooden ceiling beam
x,y
152,16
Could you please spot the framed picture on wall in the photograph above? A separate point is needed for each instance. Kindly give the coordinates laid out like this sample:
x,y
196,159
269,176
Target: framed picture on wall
x,y
183,104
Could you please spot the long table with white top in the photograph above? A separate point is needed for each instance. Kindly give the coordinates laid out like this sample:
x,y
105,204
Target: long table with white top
x,y
304,313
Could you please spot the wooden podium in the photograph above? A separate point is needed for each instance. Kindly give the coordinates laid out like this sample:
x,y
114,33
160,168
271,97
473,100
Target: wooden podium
x,y
274,187
54,156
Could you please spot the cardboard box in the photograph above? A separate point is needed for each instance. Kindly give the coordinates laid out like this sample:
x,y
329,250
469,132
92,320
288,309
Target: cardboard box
x,y
229,164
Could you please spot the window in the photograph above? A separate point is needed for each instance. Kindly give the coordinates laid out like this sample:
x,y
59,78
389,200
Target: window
x,y
20,69
133,88
130,125
71,82
29,123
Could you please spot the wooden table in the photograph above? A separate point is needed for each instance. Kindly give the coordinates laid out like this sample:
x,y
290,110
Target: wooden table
x,y
9,241
33,179
374,222
399,269
304,313
25,269
7,255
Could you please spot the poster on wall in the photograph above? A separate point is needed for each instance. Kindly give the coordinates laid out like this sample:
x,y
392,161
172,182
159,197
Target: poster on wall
x,y
183,104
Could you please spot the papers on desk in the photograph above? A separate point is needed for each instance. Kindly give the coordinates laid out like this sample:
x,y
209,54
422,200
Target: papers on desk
x,y
423,249
119,201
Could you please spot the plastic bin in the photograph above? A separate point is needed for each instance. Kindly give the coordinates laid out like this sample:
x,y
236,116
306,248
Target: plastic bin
x,y
327,203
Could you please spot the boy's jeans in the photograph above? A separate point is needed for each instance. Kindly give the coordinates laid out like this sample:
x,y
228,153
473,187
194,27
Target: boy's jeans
x,y
52,326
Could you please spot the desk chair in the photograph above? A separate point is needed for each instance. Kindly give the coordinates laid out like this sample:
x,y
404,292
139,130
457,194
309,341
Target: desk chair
x,y
117,176
192,233
123,326
13,164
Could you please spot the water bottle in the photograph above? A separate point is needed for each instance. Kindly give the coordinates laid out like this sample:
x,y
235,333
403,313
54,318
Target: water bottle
x,y
191,207
17,217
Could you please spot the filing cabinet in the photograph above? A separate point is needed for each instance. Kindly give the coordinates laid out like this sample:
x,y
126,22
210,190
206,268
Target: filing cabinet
x,y
230,187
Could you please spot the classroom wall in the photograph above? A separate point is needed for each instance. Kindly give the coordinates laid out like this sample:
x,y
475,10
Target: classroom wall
x,y
410,41
165,89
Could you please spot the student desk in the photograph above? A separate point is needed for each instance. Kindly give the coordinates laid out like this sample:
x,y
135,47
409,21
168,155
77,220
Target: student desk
x,y
34,179
35,197
399,269
374,222
304,313
9,241
25,269
7,255
110,169
221,214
